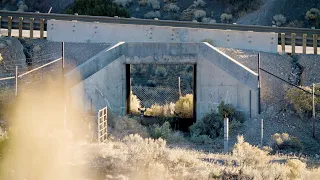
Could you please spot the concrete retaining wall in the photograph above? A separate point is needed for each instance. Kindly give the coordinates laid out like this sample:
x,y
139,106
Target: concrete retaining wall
x,y
219,77
73,31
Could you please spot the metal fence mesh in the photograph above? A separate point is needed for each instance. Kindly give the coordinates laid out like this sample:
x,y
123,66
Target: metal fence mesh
x,y
159,85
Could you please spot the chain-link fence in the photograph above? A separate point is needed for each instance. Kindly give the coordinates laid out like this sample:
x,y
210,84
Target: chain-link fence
x,y
160,86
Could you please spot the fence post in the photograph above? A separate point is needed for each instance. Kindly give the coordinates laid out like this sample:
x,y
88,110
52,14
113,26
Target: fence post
x,y
16,83
283,43
304,43
31,27
9,25
226,135
293,43
315,43
261,141
0,22
313,114
20,26
63,85
41,28
250,106
259,84
179,84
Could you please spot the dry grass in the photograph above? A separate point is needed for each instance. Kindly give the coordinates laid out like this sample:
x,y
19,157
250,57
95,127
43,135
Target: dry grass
x,y
138,158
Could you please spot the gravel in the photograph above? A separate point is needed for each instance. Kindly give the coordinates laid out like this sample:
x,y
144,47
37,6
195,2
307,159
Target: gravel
x,y
311,64
75,53
272,89
12,54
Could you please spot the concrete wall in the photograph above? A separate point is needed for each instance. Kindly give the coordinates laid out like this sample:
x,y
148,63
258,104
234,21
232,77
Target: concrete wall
x,y
73,31
104,88
215,85
219,77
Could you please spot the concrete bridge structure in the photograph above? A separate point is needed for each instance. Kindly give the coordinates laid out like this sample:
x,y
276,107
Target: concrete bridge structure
x,y
102,80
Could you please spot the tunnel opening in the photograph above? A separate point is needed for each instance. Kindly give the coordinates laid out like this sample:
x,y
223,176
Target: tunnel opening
x,y
157,93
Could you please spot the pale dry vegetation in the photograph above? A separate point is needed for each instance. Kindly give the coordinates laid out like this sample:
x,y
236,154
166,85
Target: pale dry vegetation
x,y
136,158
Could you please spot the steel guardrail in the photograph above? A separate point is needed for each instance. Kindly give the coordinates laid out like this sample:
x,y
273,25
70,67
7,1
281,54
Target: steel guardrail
x,y
188,24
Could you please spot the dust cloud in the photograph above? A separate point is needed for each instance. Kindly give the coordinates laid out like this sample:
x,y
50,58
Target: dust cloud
x,y
40,147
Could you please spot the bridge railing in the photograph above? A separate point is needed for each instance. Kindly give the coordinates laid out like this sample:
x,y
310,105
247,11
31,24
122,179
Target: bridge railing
x,y
38,21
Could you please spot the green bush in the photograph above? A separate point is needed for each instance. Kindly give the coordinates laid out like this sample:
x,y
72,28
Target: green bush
x,y
301,101
227,110
97,8
211,125
313,15
286,142
200,139
165,132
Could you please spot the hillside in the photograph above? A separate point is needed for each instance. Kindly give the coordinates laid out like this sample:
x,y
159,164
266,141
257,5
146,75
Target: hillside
x,y
257,12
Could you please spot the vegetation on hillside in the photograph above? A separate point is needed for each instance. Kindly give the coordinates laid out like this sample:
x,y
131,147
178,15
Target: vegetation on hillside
x,y
97,8
242,7
301,101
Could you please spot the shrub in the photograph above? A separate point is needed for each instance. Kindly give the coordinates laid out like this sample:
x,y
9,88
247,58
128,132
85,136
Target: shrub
x,y
210,125
123,126
226,18
135,104
248,155
96,8
296,24
208,20
296,169
227,110
301,101
199,14
122,3
279,20
161,71
166,110
171,8
152,14
286,142
312,14
36,48
241,7
165,132
143,2
155,4
200,139
22,6
199,3
185,106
